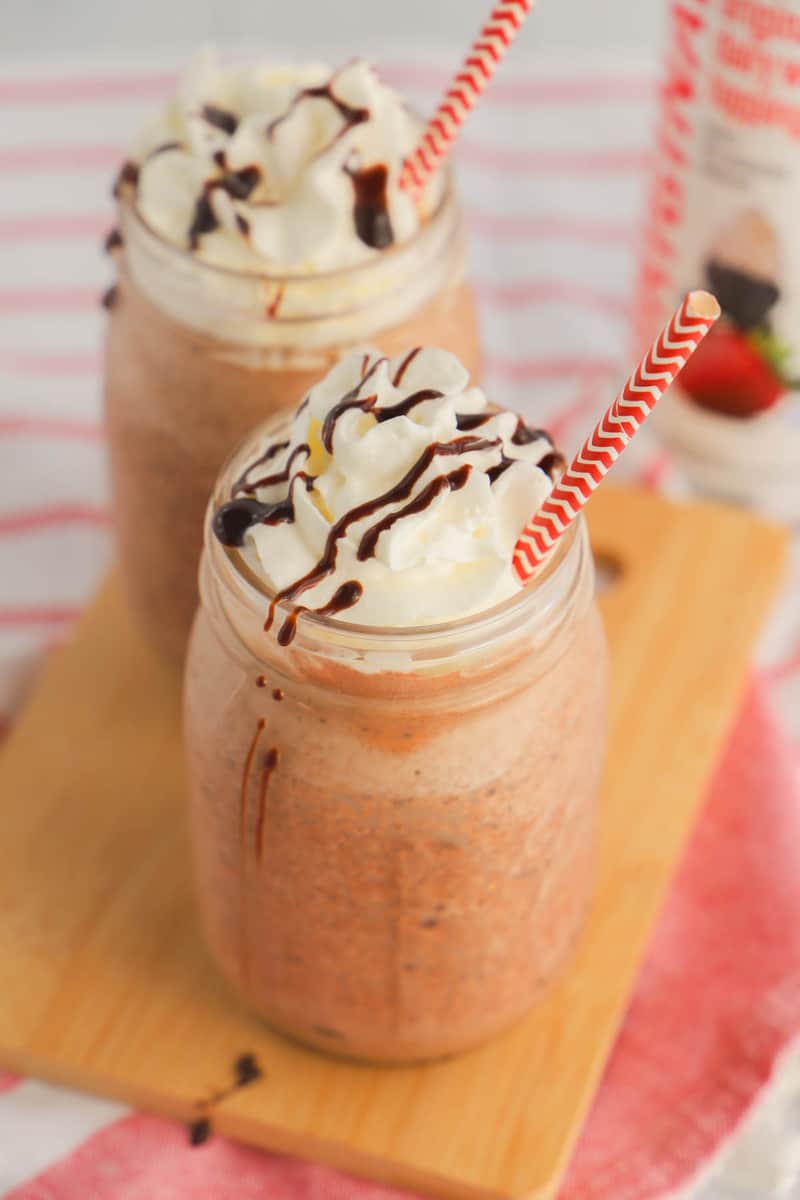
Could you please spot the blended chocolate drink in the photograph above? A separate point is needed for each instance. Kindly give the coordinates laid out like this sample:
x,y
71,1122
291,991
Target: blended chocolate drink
x,y
394,750
262,232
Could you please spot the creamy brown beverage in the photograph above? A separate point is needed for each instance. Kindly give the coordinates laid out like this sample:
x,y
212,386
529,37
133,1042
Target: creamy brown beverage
x,y
393,784
262,232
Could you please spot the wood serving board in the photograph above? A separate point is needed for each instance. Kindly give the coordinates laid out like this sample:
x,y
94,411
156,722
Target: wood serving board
x,y
104,981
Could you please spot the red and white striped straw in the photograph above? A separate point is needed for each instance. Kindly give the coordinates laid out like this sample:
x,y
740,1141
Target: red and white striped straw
x,y
487,50
666,357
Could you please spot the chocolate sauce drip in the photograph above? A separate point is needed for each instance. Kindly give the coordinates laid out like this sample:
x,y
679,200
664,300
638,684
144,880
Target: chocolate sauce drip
x,y
403,407
524,434
351,116
128,174
275,303
245,785
243,225
238,185
164,148
113,241
345,596
232,520
220,118
404,365
549,463
281,476
267,456
468,421
203,220
267,771
110,296
277,693
452,482
552,463
348,401
371,207
495,472
261,681
400,491
246,1070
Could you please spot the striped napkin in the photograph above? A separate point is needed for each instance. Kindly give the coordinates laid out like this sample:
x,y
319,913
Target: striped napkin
x,y
553,169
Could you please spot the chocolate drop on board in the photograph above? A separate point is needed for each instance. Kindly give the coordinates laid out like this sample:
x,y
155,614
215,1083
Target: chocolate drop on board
x,y
277,693
371,208
199,1131
246,1070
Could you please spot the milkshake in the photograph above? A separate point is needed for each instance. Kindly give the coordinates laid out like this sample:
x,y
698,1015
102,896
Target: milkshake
x,y
393,749
262,232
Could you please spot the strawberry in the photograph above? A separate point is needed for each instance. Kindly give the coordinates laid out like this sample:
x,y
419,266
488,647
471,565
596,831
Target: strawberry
x,y
728,374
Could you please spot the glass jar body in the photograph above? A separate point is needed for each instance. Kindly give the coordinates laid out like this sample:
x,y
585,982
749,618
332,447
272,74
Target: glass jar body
x,y
392,859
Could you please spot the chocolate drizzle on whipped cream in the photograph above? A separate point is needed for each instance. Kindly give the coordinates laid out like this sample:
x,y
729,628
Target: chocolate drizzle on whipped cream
x,y
360,508
260,178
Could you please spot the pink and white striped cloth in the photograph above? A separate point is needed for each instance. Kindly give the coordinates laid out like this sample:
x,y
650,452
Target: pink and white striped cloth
x,y
553,167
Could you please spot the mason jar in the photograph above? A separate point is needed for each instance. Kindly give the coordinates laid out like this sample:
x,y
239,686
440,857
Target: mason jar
x,y
393,828
197,354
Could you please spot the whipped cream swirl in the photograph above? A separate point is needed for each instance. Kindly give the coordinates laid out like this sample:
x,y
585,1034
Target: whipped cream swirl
x,y
293,169
396,499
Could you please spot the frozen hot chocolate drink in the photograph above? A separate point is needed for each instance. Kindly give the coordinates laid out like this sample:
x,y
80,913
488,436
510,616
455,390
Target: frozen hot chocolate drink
x,y
262,231
394,750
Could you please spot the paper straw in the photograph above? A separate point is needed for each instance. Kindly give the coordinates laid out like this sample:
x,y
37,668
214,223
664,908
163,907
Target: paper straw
x,y
480,64
666,357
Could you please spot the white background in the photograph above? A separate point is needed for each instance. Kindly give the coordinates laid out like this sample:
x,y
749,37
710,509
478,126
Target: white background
x,y
165,24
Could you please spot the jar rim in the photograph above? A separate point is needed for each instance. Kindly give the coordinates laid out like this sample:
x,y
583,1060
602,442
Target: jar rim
x,y
541,599
447,202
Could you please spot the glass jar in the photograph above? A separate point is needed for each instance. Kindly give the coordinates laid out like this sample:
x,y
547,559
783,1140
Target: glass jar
x,y
196,355
392,829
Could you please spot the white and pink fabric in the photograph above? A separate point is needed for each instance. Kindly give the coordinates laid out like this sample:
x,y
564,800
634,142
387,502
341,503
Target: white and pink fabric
x,y
554,165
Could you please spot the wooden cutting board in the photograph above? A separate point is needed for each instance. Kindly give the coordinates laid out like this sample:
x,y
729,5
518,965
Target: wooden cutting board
x,y
104,981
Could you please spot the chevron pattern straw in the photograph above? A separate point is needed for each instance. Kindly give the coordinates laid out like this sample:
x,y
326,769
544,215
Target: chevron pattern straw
x,y
483,58
666,357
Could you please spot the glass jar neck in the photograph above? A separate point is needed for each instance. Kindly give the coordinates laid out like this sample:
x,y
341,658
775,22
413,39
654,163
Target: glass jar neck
x,y
528,632
296,312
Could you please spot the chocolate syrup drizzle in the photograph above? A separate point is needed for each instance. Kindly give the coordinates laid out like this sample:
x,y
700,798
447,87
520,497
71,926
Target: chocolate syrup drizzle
x,y
233,519
238,184
370,200
350,592
220,118
371,208
267,771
